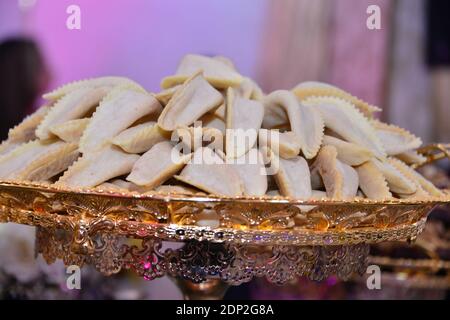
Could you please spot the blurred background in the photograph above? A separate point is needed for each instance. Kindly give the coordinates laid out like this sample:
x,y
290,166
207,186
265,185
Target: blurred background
x,y
402,67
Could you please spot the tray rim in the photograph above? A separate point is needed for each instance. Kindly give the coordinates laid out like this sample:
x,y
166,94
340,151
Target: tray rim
x,y
85,228
181,233
176,197
88,225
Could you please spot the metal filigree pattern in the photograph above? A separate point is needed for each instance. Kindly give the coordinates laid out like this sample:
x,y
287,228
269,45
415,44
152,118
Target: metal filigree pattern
x,y
85,229
266,213
433,153
260,222
58,244
200,261
146,260
255,238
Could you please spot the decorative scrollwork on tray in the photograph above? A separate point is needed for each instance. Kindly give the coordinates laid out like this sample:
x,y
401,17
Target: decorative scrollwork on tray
x,y
240,222
84,231
146,260
278,240
200,261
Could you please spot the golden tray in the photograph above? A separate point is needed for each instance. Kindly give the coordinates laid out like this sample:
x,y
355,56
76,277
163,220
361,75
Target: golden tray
x,y
262,221
275,238
225,240
246,220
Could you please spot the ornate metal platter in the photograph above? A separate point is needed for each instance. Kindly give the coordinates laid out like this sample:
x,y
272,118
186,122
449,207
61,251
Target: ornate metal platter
x,y
213,241
201,261
261,221
271,237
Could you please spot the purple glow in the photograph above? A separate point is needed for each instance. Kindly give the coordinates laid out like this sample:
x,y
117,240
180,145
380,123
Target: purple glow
x,y
331,281
140,39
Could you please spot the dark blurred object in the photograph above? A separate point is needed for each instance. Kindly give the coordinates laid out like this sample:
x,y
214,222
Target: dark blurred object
x,y
300,289
438,33
242,292
438,59
22,76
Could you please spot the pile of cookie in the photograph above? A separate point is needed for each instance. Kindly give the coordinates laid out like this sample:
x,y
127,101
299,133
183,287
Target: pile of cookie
x,y
212,130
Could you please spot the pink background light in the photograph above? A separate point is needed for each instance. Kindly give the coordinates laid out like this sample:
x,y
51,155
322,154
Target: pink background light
x,y
140,39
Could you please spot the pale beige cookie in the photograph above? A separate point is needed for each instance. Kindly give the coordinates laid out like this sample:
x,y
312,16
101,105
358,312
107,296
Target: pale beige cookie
x,y
195,98
98,166
20,156
157,165
412,157
351,180
215,71
192,138
212,121
425,187
188,139
275,117
34,160
349,153
318,195
74,105
395,140
116,112
220,112
250,168
25,131
273,193
340,180
286,144
126,186
249,90
140,138
107,186
70,131
105,82
208,172
123,185
292,175
305,122
165,95
226,61
243,121
8,146
24,154
397,182
316,179
409,173
169,189
372,182
308,89
50,165
344,119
